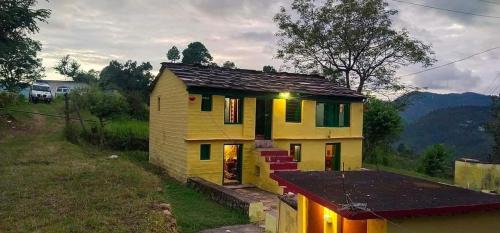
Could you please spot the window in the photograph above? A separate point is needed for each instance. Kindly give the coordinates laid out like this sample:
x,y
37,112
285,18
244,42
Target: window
x,y
233,110
293,110
332,114
159,103
205,152
295,152
206,103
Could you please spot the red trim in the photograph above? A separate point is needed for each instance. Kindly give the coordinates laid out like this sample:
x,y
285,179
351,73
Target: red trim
x,y
449,210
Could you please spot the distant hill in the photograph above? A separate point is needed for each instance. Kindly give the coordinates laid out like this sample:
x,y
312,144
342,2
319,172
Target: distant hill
x,y
461,128
420,104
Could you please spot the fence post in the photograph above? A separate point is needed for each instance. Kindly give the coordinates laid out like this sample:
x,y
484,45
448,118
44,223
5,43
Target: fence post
x,y
66,109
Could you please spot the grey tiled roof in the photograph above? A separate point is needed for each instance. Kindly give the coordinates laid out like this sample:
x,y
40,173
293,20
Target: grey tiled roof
x,y
257,81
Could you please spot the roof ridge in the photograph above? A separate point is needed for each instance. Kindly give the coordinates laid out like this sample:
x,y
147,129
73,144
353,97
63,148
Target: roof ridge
x,y
240,69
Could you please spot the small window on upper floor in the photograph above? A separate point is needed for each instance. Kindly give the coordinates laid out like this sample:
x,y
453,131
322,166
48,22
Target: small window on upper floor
x,y
158,103
293,110
233,110
333,114
206,103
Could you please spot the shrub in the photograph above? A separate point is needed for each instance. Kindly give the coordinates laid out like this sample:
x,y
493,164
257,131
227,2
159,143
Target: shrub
x,y
8,98
436,161
72,133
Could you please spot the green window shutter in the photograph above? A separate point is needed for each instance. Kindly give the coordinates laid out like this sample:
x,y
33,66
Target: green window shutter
x,y
205,152
293,110
347,115
206,103
336,112
329,115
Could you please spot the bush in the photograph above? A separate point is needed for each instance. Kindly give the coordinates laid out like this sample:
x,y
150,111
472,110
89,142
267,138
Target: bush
x,y
127,135
436,161
8,98
72,133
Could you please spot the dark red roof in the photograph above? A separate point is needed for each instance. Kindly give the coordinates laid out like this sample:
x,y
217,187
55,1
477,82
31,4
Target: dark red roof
x,y
385,194
197,76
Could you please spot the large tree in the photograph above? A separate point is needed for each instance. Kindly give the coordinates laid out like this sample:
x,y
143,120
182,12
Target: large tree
x,y
269,69
229,64
349,41
196,53
19,64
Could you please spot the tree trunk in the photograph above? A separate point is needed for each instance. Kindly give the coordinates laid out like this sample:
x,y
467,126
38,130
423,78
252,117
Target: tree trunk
x,y
347,79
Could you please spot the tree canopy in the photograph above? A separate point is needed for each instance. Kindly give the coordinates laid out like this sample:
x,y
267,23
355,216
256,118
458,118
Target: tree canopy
x,y
19,64
71,68
351,42
269,69
173,54
229,64
382,124
494,128
196,53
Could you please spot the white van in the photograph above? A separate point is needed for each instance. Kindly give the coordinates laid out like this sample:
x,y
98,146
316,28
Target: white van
x,y
40,92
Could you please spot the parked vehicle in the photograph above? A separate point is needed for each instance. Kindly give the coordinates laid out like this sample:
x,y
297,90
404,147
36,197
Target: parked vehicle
x,y
40,92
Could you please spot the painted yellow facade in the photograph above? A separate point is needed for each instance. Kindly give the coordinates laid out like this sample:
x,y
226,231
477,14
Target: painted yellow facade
x,y
178,127
477,176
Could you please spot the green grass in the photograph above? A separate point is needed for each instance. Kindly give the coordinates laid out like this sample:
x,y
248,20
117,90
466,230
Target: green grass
x,y
50,185
120,128
407,172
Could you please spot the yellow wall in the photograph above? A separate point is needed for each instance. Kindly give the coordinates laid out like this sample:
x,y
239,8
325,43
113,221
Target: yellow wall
x,y
307,129
287,222
477,176
313,153
487,222
167,130
210,125
212,169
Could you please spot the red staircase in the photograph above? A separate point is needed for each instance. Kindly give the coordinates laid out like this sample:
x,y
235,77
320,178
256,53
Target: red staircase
x,y
279,160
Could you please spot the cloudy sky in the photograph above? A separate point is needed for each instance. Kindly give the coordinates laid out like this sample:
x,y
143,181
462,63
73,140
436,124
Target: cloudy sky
x,y
97,31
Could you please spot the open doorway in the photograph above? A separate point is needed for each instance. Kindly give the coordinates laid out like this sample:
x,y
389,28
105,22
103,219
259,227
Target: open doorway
x,y
332,157
232,164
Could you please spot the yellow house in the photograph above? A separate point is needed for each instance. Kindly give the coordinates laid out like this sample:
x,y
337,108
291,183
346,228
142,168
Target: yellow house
x,y
381,202
235,126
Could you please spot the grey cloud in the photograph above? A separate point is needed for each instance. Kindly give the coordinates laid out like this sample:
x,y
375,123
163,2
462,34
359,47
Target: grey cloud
x,y
448,78
265,36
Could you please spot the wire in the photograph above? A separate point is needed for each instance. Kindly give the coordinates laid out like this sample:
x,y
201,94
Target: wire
x,y
449,10
43,114
450,63
490,2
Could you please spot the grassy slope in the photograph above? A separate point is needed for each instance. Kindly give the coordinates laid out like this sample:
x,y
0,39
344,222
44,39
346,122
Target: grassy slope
x,y
50,185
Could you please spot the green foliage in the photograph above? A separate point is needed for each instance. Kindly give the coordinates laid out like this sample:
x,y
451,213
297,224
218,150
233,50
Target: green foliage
x,y
349,41
436,161
132,81
494,128
127,135
72,133
7,98
196,53
269,69
381,125
71,68
105,105
229,64
173,54
19,64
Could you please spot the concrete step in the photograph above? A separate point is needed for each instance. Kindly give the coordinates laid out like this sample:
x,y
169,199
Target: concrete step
x,y
279,159
278,166
274,153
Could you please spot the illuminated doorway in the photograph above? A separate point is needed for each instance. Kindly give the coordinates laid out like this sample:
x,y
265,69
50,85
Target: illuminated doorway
x,y
232,164
332,157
